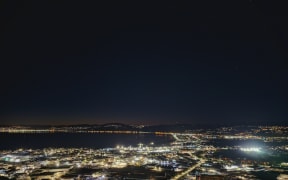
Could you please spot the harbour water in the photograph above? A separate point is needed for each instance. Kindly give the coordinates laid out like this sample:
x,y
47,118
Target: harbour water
x,y
10,141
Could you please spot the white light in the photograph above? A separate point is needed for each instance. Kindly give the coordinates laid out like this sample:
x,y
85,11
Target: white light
x,y
252,149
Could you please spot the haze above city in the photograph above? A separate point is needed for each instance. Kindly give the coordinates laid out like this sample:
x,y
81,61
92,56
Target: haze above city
x,y
75,63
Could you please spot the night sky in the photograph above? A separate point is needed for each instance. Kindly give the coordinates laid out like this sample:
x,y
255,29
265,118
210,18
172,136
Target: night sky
x,y
207,62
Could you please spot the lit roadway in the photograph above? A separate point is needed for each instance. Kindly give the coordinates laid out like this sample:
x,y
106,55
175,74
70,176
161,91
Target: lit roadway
x,y
175,136
178,176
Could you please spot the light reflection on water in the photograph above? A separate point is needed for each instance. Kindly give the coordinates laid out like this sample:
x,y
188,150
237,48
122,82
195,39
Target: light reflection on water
x,y
77,140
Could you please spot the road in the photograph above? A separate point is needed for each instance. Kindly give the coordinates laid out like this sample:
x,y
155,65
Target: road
x,y
178,176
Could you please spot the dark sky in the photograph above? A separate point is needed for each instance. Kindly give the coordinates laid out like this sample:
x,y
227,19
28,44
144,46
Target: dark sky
x,y
207,62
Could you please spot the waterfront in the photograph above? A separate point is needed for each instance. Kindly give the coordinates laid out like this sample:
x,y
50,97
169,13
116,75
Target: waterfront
x,y
78,140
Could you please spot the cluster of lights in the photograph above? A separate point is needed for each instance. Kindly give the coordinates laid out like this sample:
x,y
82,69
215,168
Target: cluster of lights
x,y
13,158
253,149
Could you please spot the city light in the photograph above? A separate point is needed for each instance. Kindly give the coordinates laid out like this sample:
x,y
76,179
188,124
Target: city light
x,y
251,149
187,156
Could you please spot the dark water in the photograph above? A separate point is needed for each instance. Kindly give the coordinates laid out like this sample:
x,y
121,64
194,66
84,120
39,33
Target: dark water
x,y
68,140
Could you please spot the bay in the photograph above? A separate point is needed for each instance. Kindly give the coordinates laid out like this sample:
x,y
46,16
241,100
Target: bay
x,y
11,141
